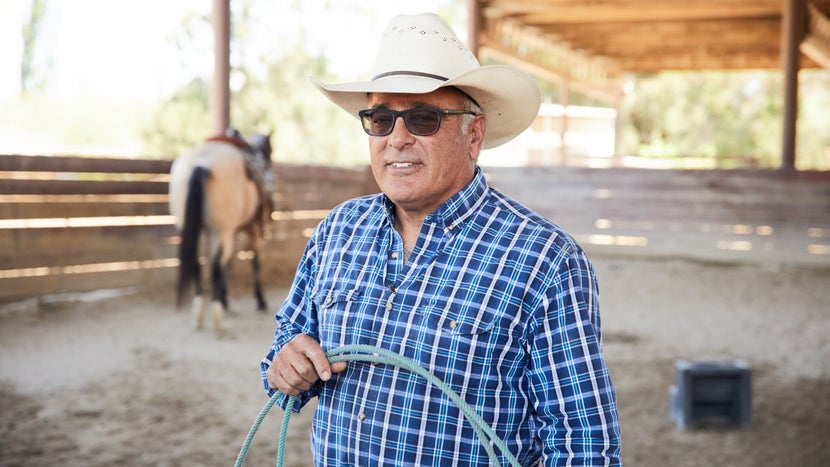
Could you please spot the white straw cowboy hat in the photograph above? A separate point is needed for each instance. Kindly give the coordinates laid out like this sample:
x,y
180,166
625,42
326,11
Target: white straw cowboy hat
x,y
420,53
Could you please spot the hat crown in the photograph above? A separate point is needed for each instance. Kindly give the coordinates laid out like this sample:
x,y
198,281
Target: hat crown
x,y
422,45
419,54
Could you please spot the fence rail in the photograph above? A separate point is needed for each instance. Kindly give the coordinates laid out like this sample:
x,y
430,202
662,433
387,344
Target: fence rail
x,y
76,224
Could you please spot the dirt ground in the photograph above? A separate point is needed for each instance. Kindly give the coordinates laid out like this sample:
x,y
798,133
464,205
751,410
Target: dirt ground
x,y
126,381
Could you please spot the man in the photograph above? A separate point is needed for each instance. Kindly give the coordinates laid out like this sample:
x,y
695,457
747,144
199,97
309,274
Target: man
x,y
491,298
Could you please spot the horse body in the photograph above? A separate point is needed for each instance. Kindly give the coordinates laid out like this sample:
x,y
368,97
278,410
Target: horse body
x,y
219,187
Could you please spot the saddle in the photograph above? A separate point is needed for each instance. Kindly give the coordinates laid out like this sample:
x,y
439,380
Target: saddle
x,y
256,169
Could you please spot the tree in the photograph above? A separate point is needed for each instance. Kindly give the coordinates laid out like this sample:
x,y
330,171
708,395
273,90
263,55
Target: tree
x,y
179,122
29,78
732,118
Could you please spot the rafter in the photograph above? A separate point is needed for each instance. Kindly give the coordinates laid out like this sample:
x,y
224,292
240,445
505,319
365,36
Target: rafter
x,y
817,43
651,35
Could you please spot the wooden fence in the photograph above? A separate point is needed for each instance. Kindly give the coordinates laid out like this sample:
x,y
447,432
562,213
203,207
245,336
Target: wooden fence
x,y
75,224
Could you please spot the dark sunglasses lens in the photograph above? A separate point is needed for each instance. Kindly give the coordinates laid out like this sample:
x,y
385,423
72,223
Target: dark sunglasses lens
x,y
422,122
378,122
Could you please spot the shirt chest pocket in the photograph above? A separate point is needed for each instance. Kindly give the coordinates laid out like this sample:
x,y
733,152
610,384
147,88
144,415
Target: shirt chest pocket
x,y
456,319
337,312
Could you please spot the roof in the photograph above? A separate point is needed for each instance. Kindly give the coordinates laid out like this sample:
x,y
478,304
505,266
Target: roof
x,y
597,41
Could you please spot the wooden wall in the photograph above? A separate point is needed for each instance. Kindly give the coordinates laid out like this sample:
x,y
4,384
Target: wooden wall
x,y
72,224
75,224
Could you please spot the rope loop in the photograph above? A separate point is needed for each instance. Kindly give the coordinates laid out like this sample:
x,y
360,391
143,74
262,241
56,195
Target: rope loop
x,y
371,354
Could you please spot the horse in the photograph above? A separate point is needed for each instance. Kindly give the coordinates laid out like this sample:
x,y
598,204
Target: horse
x,y
221,187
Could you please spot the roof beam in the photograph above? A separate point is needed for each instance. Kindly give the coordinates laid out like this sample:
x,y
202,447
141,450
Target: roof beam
x,y
816,45
604,11
506,41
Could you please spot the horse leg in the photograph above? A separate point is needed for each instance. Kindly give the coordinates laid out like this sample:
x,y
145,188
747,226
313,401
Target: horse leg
x,y
222,251
260,298
219,297
198,312
197,307
255,236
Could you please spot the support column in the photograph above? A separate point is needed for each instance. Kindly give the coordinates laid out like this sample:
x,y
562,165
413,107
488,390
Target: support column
x,y
219,102
565,100
793,30
474,21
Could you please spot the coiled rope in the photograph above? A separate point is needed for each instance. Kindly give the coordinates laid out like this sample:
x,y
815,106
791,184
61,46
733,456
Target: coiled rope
x,y
367,353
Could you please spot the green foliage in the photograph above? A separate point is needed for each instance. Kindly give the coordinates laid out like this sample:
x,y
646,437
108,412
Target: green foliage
x,y
813,132
179,122
270,93
734,118
81,125
306,127
30,77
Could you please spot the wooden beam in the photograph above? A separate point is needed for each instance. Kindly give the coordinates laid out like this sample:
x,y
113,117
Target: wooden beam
x,y
474,23
793,28
18,163
608,11
817,43
607,94
220,86
766,31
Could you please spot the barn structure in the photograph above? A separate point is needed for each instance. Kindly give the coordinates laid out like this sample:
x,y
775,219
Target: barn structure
x,y
80,224
591,46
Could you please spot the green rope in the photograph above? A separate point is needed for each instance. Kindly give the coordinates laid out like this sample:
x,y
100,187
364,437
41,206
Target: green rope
x,y
367,353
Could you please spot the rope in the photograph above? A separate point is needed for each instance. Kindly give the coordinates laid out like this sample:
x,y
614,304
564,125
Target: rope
x,y
367,353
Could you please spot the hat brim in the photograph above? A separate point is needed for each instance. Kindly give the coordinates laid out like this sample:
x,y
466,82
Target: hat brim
x,y
509,98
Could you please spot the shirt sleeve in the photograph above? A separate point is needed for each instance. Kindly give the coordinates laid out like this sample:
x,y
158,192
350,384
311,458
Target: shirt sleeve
x,y
295,316
572,390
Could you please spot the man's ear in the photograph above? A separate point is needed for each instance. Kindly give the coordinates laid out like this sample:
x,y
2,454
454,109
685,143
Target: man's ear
x,y
478,128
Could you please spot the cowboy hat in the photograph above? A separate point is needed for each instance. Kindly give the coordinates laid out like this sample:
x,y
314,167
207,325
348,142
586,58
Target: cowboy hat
x,y
420,53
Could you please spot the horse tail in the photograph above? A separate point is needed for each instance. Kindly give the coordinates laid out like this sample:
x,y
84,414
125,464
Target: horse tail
x,y
194,219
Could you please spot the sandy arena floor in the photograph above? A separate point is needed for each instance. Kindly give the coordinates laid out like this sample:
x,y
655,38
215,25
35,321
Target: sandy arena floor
x,y
126,382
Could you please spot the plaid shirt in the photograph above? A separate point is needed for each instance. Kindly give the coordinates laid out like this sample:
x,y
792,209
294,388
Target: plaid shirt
x,y
496,301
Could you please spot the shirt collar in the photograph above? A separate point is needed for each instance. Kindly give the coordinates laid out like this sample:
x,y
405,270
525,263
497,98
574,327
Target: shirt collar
x,y
455,210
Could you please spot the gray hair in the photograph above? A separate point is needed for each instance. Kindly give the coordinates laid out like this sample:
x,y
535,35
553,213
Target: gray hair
x,y
467,119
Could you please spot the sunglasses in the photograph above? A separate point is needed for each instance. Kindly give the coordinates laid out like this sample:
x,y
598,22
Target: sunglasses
x,y
420,121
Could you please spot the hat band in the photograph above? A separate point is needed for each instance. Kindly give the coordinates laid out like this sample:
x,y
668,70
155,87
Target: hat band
x,y
424,75
413,73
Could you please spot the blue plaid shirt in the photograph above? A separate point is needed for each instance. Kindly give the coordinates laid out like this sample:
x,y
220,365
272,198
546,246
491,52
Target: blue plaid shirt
x,y
495,300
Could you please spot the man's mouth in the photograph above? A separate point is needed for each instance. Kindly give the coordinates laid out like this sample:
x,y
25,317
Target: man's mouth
x,y
401,165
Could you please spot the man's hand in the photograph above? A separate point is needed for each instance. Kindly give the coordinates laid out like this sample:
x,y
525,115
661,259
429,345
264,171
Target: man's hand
x,y
300,364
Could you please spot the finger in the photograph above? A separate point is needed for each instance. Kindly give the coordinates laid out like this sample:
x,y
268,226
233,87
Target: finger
x,y
315,356
287,381
277,382
303,370
283,375
321,364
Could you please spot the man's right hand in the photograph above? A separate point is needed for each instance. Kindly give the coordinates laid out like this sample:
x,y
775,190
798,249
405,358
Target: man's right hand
x,y
299,364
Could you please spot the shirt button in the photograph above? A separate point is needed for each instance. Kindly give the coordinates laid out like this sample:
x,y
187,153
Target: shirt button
x,y
453,324
394,255
328,299
361,416
389,305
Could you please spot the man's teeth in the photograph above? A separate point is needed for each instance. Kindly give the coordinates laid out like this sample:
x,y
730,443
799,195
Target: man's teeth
x,y
401,165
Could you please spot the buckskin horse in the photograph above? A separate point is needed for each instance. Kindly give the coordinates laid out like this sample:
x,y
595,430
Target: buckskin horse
x,y
221,186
